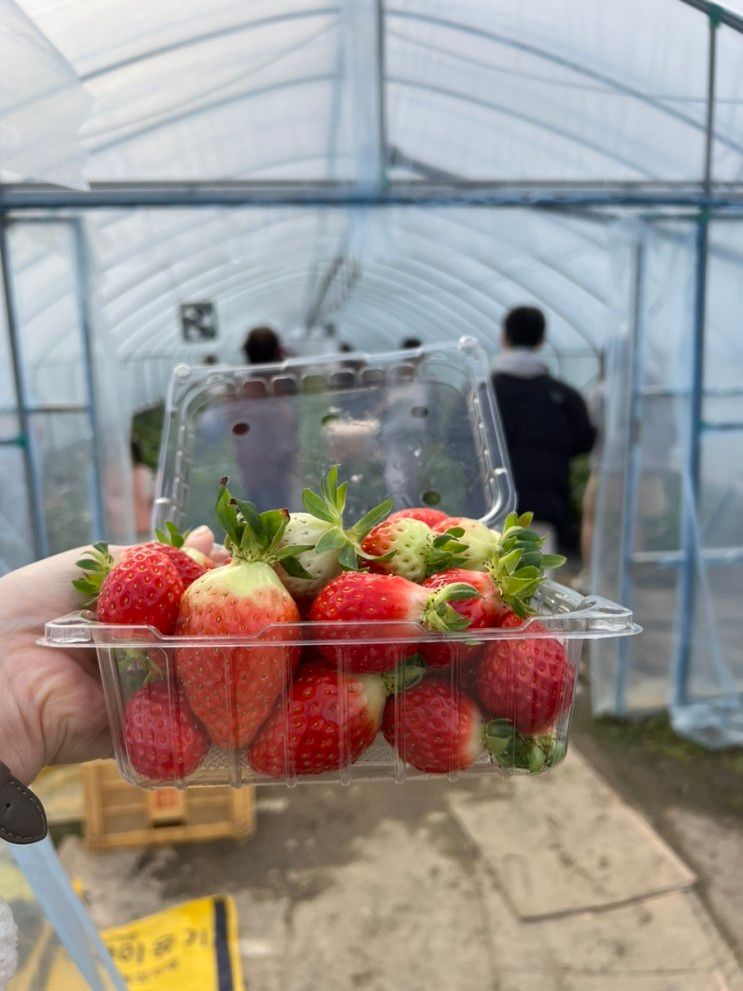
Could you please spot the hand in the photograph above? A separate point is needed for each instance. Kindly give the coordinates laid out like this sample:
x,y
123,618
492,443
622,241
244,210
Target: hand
x,y
51,701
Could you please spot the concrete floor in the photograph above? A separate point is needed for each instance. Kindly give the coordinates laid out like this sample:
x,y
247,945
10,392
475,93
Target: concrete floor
x,y
550,884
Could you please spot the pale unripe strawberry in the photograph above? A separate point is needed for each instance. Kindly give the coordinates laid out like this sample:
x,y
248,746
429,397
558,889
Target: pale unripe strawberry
x,y
304,528
480,542
332,548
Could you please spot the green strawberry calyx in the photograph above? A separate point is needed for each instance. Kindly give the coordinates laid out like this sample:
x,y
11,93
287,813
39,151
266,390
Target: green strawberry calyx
x,y
517,566
253,536
513,750
405,675
329,505
95,568
439,616
171,535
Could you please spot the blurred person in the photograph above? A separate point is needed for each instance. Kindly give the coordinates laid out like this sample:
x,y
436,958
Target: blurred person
x,y
546,424
262,346
143,491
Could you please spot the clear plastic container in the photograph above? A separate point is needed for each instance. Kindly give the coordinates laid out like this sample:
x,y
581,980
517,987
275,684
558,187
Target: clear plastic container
x,y
418,426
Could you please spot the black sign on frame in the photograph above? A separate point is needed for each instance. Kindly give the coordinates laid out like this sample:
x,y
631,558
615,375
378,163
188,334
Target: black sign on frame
x,y
198,322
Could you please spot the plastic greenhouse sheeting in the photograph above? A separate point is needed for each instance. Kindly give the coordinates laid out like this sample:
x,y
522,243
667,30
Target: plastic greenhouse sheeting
x,y
305,95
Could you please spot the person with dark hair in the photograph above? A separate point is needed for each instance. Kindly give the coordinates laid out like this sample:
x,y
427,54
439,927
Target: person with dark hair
x,y
410,344
262,347
545,421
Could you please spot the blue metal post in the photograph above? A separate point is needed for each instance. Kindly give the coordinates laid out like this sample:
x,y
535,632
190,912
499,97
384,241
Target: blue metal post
x,y
632,474
34,478
687,577
82,289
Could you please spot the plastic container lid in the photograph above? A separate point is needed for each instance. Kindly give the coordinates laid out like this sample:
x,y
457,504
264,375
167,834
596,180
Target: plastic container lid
x,y
418,426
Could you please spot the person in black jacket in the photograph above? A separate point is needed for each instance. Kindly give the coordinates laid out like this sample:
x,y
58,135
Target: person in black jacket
x,y
546,423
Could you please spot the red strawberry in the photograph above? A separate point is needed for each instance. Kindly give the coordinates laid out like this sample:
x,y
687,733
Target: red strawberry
x,y
143,589
163,738
383,608
330,719
233,689
526,680
434,727
440,730
188,569
423,513
483,610
190,562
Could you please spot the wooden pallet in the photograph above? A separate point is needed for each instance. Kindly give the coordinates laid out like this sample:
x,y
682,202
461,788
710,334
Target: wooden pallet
x,y
118,814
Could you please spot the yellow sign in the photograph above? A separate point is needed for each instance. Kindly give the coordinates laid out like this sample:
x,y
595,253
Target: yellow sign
x,y
191,947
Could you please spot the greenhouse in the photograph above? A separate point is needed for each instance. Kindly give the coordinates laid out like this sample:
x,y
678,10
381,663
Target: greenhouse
x,y
381,170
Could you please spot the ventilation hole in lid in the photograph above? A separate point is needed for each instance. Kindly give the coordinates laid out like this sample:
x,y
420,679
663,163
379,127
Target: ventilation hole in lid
x,y
431,497
419,411
240,428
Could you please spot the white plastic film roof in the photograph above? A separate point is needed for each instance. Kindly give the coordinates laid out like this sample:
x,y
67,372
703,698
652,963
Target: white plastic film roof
x,y
308,91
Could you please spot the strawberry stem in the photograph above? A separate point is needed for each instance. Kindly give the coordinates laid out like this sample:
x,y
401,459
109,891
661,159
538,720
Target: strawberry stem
x,y
405,675
95,568
254,536
329,505
511,749
439,616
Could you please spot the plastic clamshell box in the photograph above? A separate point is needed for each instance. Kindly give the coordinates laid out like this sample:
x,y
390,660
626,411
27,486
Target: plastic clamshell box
x,y
420,426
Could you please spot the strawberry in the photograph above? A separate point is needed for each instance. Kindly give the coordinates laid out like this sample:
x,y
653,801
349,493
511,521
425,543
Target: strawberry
x,y
434,727
513,558
163,738
482,610
330,719
440,730
392,606
143,589
408,547
170,544
332,547
232,689
423,513
480,542
526,680
173,544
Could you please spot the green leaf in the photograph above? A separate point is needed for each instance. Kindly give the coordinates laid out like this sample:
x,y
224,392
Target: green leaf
x,y
369,520
347,558
317,507
292,567
333,540
553,561
227,516
291,550
455,531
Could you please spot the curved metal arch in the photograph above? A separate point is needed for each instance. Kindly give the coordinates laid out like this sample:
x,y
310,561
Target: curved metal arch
x,y
508,279
560,60
207,37
213,105
416,235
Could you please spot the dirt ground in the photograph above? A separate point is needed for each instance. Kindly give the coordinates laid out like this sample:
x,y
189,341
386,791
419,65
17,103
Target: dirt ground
x,y
693,797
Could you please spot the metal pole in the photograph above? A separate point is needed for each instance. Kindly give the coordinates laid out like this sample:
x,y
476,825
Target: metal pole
x,y
381,95
687,577
82,291
632,476
34,479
